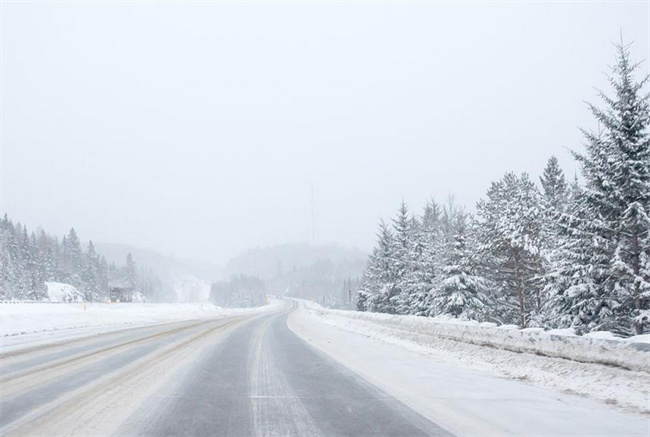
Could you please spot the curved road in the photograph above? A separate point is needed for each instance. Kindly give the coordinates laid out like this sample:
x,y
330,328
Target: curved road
x,y
232,376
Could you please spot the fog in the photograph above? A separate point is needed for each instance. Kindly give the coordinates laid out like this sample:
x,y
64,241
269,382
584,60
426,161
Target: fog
x,y
204,129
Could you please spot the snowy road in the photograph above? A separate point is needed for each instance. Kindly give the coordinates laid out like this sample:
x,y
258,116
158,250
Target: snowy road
x,y
241,376
282,372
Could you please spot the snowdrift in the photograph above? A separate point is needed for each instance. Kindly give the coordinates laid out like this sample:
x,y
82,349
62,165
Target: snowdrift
x,y
597,348
58,292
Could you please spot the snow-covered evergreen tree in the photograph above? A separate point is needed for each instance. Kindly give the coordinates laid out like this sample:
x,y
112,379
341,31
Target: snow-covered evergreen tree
x,y
27,261
379,288
368,285
403,259
555,202
459,290
603,280
9,272
555,196
37,289
130,273
576,284
554,185
72,258
49,264
425,262
510,245
566,256
90,274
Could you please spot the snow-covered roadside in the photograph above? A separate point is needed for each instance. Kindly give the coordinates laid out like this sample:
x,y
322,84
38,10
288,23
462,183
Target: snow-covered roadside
x,y
30,323
477,390
597,347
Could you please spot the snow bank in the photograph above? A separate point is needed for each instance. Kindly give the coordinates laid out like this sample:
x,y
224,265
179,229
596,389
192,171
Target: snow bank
x,y
482,391
58,292
28,318
598,348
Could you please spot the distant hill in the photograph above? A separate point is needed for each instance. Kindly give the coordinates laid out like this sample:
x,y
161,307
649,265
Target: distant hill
x,y
324,273
188,280
115,252
270,261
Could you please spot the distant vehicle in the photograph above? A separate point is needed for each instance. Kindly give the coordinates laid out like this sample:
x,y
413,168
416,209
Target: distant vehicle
x,y
118,294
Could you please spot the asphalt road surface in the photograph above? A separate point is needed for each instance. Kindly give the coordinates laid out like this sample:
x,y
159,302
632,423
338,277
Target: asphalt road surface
x,y
232,376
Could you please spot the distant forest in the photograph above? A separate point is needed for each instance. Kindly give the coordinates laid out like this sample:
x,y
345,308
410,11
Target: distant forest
x,y
559,255
31,259
328,274
241,291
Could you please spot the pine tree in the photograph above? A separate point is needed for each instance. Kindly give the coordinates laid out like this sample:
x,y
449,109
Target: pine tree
x,y
37,290
90,277
608,286
554,186
379,288
26,265
426,262
102,277
369,284
510,244
49,265
72,259
555,196
404,256
576,284
460,290
8,274
46,257
130,273
555,202
27,261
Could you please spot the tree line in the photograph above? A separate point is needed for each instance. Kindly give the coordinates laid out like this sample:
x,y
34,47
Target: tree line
x,y
241,291
555,255
323,273
29,260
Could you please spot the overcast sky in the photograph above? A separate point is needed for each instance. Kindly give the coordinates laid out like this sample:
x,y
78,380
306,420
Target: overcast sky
x,y
198,129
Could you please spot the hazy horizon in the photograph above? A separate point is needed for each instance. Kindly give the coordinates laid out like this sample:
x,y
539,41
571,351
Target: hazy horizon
x,y
204,135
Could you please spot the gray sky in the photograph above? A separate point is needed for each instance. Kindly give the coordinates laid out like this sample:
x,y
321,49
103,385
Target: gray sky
x,y
196,129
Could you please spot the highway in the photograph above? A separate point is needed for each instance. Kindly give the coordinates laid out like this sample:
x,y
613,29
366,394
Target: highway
x,y
232,376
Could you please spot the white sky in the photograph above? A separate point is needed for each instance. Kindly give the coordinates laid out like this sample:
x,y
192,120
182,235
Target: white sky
x,y
197,128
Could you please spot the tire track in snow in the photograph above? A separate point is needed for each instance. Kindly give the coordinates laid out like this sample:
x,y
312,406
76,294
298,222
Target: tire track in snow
x,y
84,411
276,407
23,380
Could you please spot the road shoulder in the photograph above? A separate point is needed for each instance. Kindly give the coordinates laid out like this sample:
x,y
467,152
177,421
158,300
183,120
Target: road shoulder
x,y
465,400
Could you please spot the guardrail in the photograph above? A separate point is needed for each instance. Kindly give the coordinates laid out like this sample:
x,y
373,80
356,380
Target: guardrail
x,y
15,302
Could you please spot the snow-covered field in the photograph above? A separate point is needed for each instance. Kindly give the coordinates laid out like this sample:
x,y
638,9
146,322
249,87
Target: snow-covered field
x,y
34,322
471,388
